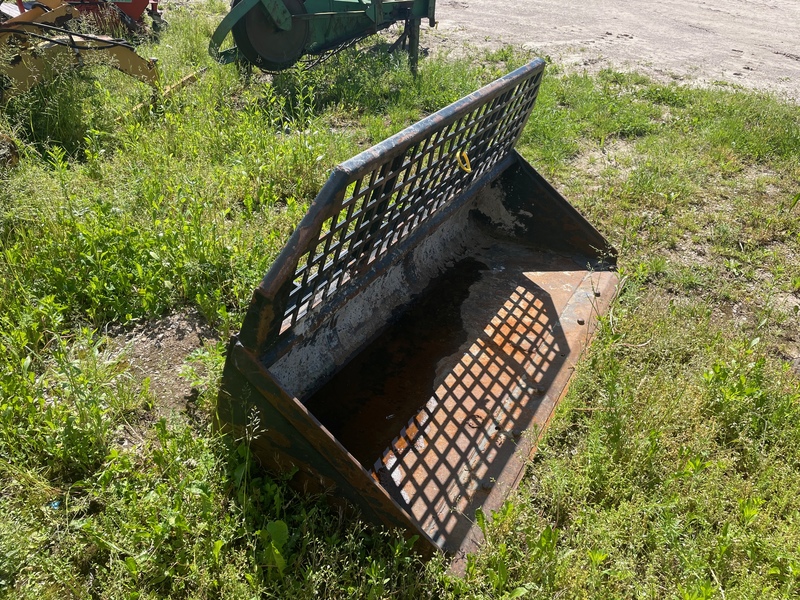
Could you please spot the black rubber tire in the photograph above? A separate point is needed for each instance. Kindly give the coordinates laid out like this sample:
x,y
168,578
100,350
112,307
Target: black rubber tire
x,y
296,39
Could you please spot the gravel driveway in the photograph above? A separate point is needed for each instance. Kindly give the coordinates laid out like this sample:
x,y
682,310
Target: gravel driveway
x,y
752,43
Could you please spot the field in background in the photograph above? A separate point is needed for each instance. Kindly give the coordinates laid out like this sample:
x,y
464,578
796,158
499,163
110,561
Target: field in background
x,y
671,470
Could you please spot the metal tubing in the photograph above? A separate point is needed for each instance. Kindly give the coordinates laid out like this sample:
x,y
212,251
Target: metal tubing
x,y
413,44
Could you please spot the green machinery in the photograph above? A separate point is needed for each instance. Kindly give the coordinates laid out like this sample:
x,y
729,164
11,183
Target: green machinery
x,y
274,34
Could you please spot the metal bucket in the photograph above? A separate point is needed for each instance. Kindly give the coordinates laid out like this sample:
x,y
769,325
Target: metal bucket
x,y
410,343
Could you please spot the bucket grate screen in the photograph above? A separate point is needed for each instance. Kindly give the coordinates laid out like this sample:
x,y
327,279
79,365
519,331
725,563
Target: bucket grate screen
x,y
456,441
393,188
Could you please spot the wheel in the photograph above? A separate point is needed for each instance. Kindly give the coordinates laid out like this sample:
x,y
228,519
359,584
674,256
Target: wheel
x,y
159,23
261,42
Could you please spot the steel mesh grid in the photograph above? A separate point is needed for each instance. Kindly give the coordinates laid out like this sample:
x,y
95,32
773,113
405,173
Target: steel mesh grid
x,y
446,450
378,209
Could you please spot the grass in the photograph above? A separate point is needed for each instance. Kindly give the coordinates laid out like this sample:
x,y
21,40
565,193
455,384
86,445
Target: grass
x,y
670,470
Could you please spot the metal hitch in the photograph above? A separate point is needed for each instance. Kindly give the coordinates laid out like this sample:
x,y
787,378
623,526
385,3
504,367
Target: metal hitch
x,y
410,343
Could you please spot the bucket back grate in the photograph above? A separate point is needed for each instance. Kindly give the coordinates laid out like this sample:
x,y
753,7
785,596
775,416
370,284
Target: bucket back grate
x,y
376,200
395,196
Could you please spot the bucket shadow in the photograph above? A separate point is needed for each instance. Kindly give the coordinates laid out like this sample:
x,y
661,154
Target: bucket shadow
x,y
437,406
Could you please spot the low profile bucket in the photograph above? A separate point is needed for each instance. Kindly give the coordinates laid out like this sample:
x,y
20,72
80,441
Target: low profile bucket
x,y
410,343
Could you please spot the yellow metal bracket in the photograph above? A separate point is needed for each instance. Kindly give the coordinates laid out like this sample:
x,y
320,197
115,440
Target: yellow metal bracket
x,y
463,161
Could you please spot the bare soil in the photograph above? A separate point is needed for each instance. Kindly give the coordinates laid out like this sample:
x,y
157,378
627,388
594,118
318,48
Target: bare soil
x,y
158,350
752,43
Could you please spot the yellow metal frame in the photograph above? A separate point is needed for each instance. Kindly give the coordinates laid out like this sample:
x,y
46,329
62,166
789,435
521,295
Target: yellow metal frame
x,y
26,61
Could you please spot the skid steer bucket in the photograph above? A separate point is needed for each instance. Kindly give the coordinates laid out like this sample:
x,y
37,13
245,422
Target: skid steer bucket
x,y
410,343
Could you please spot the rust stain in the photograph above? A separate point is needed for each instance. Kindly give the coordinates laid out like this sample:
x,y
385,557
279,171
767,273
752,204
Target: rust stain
x,y
492,341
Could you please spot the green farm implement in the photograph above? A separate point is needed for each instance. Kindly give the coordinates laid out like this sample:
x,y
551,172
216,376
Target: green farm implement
x,y
275,34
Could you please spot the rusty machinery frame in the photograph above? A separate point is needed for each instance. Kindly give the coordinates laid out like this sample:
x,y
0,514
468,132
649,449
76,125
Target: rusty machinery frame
x,y
380,213
35,43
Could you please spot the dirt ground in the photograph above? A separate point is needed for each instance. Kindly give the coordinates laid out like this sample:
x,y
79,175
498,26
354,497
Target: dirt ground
x,y
752,43
158,350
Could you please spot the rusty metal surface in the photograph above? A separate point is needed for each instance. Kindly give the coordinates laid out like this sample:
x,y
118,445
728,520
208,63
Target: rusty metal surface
x,y
36,44
293,438
464,382
411,342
